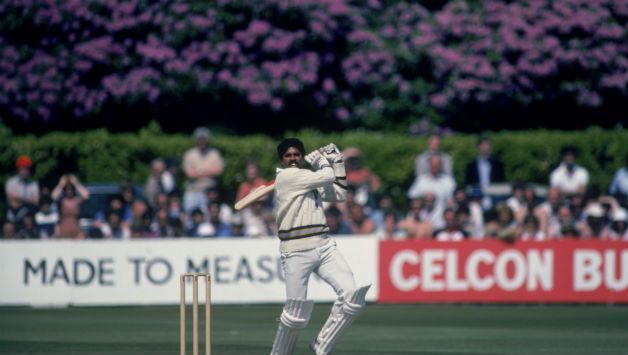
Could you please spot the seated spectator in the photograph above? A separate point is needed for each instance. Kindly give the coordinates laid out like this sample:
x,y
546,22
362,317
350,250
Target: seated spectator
x,y
159,181
435,182
69,194
252,180
476,213
569,178
21,186
618,228
115,204
385,205
337,225
365,181
29,229
9,231
161,225
422,162
221,229
237,225
501,224
359,222
548,209
531,230
517,201
148,230
16,212
257,220
563,221
175,210
46,218
391,228
452,232
470,226
577,203
619,185
485,169
431,212
213,196
594,222
203,166
199,228
113,228
414,226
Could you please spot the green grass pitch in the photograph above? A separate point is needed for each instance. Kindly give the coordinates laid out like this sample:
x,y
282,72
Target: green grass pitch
x,y
382,329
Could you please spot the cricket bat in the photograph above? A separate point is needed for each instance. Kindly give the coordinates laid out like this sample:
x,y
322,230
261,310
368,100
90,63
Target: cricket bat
x,y
255,195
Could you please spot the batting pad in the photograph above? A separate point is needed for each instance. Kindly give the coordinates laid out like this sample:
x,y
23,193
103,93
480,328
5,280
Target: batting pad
x,y
337,323
295,316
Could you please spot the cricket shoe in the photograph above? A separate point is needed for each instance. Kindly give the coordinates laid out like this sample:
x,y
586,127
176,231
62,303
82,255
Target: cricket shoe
x,y
314,345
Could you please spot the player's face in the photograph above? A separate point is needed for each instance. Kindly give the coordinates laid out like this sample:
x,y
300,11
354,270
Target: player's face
x,y
292,158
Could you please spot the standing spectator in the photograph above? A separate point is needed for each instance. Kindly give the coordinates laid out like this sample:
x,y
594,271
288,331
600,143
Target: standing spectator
x,y
436,182
337,225
46,218
203,166
452,232
569,178
69,194
619,185
252,180
422,162
364,180
360,223
159,181
21,186
485,169
413,225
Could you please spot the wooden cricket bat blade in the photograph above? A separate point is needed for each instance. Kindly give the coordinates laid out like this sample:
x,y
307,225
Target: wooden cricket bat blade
x,y
254,195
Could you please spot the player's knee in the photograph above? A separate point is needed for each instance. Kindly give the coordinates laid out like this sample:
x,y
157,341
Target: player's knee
x,y
296,314
355,300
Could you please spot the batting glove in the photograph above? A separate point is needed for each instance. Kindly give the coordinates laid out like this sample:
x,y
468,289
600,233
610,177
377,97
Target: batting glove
x,y
316,160
331,153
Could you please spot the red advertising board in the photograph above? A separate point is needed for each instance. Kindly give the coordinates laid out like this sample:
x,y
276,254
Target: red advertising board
x,y
492,271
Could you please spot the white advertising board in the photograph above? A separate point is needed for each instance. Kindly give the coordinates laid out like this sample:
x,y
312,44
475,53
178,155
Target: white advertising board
x,y
90,272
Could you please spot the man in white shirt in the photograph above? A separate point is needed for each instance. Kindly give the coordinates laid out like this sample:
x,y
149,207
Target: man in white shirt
x,y
21,186
203,166
569,178
436,182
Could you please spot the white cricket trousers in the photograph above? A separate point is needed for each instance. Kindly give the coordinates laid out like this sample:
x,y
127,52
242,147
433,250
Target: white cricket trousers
x,y
326,262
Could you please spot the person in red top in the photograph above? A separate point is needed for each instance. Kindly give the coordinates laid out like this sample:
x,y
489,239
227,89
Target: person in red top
x,y
253,180
365,181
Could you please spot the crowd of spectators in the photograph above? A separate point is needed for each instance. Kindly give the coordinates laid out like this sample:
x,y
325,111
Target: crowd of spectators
x,y
437,207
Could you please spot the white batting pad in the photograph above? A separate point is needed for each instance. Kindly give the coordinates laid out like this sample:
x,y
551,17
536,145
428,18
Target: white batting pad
x,y
295,316
337,323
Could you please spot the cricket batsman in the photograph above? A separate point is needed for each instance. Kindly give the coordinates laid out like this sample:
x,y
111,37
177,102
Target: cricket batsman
x,y
305,246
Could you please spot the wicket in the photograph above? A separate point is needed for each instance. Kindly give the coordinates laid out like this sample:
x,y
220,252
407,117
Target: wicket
x,y
182,307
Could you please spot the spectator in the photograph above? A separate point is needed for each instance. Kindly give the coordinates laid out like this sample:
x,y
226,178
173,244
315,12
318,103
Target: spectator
x,y
563,221
16,212
9,230
569,178
485,169
69,194
618,228
116,204
501,224
113,228
466,223
337,225
203,166
452,232
422,162
360,223
476,213
548,209
531,230
139,209
431,211
214,196
366,182
384,206
252,180
175,210
391,229
221,229
199,227
436,182
256,220
414,226
237,225
46,218
29,229
619,185
127,191
161,226
148,230
21,186
159,181
594,222
517,201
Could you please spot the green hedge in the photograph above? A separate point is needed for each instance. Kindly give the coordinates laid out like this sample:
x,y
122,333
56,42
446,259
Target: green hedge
x,y
101,156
